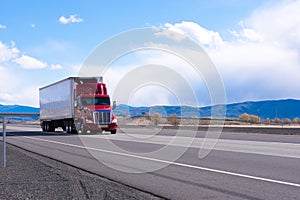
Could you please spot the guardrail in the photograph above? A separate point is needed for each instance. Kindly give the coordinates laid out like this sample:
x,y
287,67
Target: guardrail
x,y
10,114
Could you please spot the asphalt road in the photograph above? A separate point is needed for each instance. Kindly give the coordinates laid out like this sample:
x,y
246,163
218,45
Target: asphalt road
x,y
240,166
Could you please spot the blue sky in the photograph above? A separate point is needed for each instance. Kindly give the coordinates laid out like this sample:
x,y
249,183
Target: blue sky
x,y
256,53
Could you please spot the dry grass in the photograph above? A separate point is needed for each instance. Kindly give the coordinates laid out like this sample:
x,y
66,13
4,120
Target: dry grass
x,y
148,121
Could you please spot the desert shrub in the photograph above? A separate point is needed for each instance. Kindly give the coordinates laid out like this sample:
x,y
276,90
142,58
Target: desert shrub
x,y
296,120
156,117
249,118
277,120
267,120
173,119
286,121
254,119
244,117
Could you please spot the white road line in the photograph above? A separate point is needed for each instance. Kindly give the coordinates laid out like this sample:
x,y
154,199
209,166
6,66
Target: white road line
x,y
171,163
288,150
291,150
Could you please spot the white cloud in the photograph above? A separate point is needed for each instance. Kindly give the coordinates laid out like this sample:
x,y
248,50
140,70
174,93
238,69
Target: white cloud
x,y
29,92
12,87
2,26
165,67
278,23
33,25
247,34
6,76
56,67
70,19
8,52
28,62
15,88
262,60
159,96
196,32
251,35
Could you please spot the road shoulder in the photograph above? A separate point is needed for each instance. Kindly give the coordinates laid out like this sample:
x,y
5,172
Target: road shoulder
x,y
31,176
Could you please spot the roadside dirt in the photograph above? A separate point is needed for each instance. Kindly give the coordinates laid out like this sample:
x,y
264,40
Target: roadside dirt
x,y
30,176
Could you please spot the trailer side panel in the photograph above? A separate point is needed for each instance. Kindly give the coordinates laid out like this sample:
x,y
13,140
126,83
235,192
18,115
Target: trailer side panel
x,y
56,100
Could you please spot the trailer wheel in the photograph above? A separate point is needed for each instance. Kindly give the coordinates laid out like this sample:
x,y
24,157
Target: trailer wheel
x,y
43,127
46,126
51,127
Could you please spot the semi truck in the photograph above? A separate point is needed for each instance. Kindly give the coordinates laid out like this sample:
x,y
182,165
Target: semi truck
x,y
77,105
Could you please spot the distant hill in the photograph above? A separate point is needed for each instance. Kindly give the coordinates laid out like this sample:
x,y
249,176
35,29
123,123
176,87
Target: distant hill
x,y
288,108
18,108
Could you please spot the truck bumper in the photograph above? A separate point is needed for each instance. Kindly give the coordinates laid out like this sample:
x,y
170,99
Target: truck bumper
x,y
104,127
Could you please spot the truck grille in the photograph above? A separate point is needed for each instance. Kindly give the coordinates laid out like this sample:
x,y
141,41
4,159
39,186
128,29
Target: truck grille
x,y
102,117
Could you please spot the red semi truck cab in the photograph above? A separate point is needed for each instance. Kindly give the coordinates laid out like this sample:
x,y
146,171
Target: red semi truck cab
x,y
92,109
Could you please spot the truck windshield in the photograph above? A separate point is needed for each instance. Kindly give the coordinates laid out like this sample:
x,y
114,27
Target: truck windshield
x,y
95,101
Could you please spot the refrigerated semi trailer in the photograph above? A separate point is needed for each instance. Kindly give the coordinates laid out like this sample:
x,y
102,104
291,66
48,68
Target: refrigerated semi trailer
x,y
77,105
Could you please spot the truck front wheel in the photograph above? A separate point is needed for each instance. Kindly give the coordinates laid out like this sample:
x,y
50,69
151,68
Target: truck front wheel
x,y
113,132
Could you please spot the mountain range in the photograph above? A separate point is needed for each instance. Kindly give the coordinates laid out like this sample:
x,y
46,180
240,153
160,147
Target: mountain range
x,y
286,108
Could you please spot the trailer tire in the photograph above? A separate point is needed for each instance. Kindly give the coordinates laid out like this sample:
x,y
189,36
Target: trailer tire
x,y
46,126
43,127
51,127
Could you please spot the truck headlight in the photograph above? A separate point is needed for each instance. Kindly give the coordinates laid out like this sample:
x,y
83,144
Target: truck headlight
x,y
114,121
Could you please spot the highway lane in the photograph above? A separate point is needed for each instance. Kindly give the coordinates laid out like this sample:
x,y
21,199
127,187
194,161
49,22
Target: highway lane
x,y
258,171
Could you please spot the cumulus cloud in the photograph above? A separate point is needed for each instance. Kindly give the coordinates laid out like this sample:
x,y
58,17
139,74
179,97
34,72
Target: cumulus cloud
x,y
11,60
246,34
10,84
2,26
70,19
262,60
278,23
196,32
30,92
8,52
28,62
165,66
